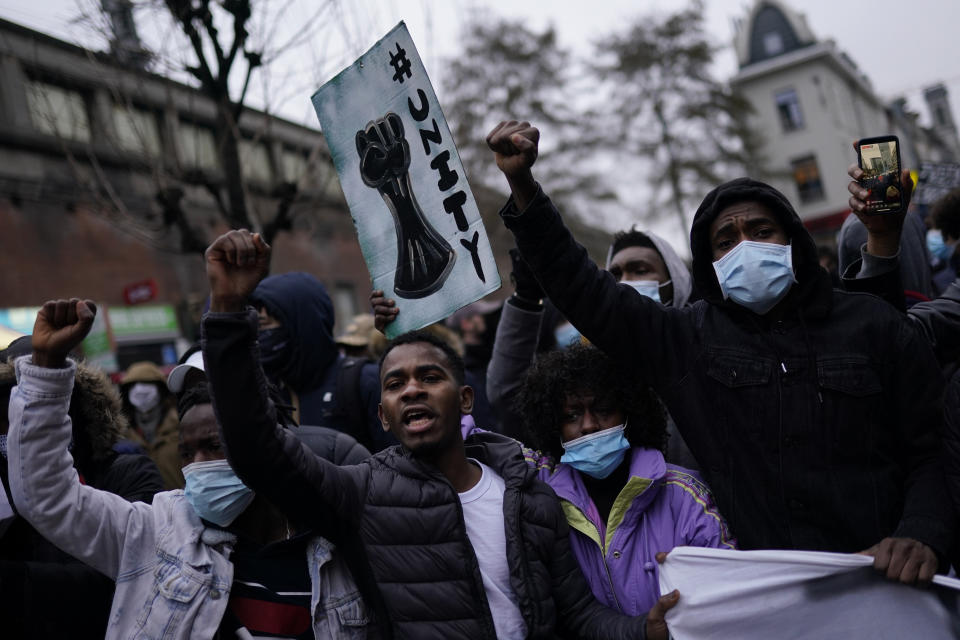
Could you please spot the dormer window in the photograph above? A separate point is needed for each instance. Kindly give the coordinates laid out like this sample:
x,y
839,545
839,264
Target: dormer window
x,y
772,43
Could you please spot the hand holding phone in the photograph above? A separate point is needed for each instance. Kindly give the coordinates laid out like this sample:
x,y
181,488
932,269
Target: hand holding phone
x,y
879,159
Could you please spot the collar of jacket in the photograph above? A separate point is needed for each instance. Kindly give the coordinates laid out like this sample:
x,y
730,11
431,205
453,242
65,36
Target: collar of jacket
x,y
500,453
184,535
647,472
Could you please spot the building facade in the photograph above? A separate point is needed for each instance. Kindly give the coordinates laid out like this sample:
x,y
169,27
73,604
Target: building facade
x,y
97,156
811,102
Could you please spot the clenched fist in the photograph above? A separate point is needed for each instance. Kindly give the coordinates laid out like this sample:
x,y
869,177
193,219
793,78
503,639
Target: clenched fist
x,y
236,263
60,327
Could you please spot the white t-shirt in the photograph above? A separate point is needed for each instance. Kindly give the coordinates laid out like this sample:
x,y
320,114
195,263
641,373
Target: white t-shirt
x,y
758,595
483,516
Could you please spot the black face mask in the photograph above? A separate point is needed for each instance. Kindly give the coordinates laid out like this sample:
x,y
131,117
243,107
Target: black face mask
x,y
275,351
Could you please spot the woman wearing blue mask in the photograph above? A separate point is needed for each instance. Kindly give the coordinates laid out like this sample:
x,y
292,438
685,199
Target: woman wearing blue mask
x,y
623,502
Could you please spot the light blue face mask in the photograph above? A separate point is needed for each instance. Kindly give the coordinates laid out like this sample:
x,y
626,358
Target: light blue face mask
x,y
938,248
566,336
597,454
756,275
648,288
215,491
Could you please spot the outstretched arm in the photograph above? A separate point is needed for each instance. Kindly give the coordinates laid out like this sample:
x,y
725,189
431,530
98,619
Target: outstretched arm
x,y
271,461
937,320
926,527
87,523
515,344
642,335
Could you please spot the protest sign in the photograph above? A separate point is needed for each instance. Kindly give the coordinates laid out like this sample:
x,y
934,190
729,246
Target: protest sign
x,y
936,179
397,163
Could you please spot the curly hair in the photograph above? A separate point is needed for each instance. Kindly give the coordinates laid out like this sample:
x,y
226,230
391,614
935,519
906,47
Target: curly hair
x,y
585,369
945,214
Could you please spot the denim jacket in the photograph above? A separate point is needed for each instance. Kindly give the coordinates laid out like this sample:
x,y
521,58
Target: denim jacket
x,y
173,573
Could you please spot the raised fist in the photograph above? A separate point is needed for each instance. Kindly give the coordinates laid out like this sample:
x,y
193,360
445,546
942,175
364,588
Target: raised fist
x,y
236,263
60,327
384,153
515,146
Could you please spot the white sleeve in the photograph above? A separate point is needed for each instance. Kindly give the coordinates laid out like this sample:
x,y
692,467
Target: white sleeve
x,y
87,523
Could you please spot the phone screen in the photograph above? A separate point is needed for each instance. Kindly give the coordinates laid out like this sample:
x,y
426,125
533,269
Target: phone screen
x,y
880,161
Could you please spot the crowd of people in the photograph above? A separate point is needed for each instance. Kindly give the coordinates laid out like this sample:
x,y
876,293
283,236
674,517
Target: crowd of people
x,y
521,470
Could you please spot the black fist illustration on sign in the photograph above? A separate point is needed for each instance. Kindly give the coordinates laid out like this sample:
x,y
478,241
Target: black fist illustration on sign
x,y
424,258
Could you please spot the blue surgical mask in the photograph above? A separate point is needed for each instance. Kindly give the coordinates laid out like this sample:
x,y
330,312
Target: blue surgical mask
x,y
756,275
566,335
597,454
648,288
215,491
938,248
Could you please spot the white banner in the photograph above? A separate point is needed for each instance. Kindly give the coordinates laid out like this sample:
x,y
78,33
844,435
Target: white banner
x,y
760,595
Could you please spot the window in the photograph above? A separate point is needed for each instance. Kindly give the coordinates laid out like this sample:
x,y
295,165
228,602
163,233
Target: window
x,y
344,303
772,43
197,147
807,176
136,130
788,107
58,111
294,165
255,161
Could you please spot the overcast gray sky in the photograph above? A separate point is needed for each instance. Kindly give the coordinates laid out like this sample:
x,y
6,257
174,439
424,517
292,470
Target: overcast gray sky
x,y
902,47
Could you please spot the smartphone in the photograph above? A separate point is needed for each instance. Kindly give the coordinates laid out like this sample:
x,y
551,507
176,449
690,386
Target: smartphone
x,y
879,158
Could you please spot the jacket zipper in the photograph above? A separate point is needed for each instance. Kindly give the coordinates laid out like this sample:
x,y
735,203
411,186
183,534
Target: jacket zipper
x,y
603,559
610,581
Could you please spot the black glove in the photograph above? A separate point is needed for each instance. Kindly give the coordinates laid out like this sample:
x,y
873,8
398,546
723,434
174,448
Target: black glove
x,y
525,284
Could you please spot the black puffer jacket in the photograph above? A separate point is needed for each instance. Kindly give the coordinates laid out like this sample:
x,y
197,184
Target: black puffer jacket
x,y
399,519
815,425
36,578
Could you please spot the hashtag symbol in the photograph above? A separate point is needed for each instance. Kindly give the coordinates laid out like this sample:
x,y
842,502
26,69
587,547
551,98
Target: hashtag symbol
x,y
400,64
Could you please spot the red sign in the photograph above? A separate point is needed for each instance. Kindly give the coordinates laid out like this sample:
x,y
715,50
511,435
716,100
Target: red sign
x,y
140,292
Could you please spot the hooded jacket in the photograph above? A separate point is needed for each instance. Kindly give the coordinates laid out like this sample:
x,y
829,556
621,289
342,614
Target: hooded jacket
x,y
33,572
402,516
163,449
815,425
677,450
679,274
310,374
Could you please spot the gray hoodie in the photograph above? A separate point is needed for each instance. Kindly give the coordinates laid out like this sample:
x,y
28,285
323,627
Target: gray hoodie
x,y
679,273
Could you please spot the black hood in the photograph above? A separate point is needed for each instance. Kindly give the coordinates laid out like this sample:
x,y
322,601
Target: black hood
x,y
302,306
813,283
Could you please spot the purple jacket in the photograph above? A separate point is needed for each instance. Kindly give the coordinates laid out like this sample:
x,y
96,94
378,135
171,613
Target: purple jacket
x,y
661,507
